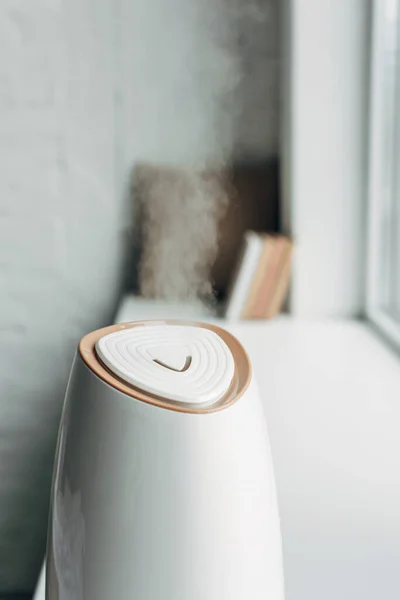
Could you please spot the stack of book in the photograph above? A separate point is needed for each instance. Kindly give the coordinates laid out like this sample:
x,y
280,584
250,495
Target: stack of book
x,y
261,281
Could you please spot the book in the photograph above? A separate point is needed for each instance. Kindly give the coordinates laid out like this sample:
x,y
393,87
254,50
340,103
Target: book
x,y
282,285
269,279
268,247
262,277
244,275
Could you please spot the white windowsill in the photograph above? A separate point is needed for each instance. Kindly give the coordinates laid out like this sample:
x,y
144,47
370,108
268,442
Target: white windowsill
x,y
332,398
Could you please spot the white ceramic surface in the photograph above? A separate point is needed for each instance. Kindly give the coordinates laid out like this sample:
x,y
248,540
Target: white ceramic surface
x,y
154,504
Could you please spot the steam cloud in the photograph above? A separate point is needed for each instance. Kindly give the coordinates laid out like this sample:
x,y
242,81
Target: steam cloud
x,y
181,206
181,213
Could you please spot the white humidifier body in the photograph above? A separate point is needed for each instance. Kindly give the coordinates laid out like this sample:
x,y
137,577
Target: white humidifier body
x,y
163,483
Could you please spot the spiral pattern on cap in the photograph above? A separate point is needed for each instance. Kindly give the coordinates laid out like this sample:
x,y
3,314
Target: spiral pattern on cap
x,y
176,362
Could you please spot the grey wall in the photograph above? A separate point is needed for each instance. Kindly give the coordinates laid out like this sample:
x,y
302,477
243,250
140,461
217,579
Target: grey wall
x,y
59,252
201,80
88,87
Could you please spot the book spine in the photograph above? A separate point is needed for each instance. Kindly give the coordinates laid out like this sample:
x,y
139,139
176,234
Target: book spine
x,y
269,278
246,273
248,311
232,302
282,286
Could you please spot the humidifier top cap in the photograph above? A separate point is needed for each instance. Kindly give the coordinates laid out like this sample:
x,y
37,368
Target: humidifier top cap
x,y
182,366
176,362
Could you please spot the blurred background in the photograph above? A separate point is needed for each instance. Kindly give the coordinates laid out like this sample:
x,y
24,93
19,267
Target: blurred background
x,y
227,160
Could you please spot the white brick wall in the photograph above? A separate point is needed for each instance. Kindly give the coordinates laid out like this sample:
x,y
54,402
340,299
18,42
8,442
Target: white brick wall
x,y
59,252
86,88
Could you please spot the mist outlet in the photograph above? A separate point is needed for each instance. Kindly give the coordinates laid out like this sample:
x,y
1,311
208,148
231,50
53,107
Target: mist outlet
x,y
175,362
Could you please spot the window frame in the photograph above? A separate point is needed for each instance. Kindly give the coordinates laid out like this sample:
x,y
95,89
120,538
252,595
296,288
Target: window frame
x,y
383,183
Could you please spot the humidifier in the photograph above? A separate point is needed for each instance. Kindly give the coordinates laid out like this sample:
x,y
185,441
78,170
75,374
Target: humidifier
x,y
163,484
